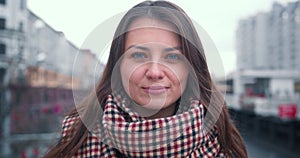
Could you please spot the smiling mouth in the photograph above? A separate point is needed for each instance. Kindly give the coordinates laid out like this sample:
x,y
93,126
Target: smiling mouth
x,y
155,90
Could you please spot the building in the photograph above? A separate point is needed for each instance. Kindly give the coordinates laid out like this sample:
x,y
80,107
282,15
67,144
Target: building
x,y
13,15
270,40
37,77
268,53
12,36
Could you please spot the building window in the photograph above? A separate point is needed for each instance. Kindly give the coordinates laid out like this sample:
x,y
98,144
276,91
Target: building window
x,y
2,23
63,96
18,99
2,97
22,4
45,97
21,52
297,15
2,49
2,74
3,2
21,26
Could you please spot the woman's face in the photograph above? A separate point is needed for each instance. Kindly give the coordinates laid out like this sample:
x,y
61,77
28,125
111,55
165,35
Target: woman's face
x,y
154,71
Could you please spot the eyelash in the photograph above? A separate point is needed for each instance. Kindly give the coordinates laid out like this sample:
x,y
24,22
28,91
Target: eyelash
x,y
135,54
171,57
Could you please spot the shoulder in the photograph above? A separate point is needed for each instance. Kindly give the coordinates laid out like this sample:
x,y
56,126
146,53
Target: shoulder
x,y
92,146
67,125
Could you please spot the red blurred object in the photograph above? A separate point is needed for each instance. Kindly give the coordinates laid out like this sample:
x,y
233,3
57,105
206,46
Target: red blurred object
x,y
287,111
57,108
23,154
36,152
45,110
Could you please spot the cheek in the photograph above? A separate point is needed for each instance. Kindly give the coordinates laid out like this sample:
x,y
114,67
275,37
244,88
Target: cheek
x,y
131,77
182,81
180,76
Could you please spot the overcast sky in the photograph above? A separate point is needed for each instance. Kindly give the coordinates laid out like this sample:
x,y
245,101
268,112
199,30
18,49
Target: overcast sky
x,y
219,18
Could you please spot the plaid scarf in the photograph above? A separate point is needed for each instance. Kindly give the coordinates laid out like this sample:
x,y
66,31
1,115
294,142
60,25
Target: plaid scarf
x,y
181,135
123,133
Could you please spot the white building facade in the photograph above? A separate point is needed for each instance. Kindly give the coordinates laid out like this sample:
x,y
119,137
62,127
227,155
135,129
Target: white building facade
x,y
13,22
28,41
268,65
35,56
270,40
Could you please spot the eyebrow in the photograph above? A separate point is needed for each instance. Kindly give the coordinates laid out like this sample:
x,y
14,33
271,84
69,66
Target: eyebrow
x,y
178,48
138,47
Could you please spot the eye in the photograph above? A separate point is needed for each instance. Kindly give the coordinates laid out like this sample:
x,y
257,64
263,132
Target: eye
x,y
173,57
138,55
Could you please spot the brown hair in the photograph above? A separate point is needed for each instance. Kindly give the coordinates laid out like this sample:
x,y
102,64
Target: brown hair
x,y
230,139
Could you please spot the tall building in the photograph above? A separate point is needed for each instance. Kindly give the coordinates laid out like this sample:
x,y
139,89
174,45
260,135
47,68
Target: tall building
x,y
270,40
13,21
37,78
268,60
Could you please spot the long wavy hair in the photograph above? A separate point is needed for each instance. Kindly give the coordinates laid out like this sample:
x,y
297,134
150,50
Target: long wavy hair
x,y
229,137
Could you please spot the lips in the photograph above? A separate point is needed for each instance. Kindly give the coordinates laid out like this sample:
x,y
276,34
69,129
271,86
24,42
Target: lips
x,y
155,90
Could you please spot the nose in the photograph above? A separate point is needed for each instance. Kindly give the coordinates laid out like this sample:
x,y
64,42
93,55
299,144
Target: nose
x,y
155,71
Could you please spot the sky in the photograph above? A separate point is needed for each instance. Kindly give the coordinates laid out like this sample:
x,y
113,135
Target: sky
x,y
219,18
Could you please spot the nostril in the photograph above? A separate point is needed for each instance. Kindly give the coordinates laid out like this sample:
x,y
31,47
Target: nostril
x,y
155,72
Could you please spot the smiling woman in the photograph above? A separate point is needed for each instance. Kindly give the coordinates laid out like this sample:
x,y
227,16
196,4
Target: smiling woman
x,y
155,98
153,71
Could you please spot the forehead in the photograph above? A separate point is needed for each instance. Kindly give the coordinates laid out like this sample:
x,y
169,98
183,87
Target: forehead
x,y
140,23
146,30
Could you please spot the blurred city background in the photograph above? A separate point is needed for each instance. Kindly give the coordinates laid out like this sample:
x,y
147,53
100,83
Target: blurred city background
x,y
37,80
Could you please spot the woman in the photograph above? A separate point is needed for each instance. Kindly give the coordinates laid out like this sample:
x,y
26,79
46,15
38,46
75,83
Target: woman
x,y
155,97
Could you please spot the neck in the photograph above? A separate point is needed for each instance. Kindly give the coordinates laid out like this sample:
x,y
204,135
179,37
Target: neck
x,y
153,113
165,112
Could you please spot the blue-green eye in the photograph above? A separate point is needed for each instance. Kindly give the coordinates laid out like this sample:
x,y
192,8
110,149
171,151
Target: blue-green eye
x,y
138,55
173,57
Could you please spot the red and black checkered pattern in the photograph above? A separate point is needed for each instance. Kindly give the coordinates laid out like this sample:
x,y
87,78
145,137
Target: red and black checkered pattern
x,y
124,133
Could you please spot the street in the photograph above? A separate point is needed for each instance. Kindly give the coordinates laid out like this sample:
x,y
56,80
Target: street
x,y
261,147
